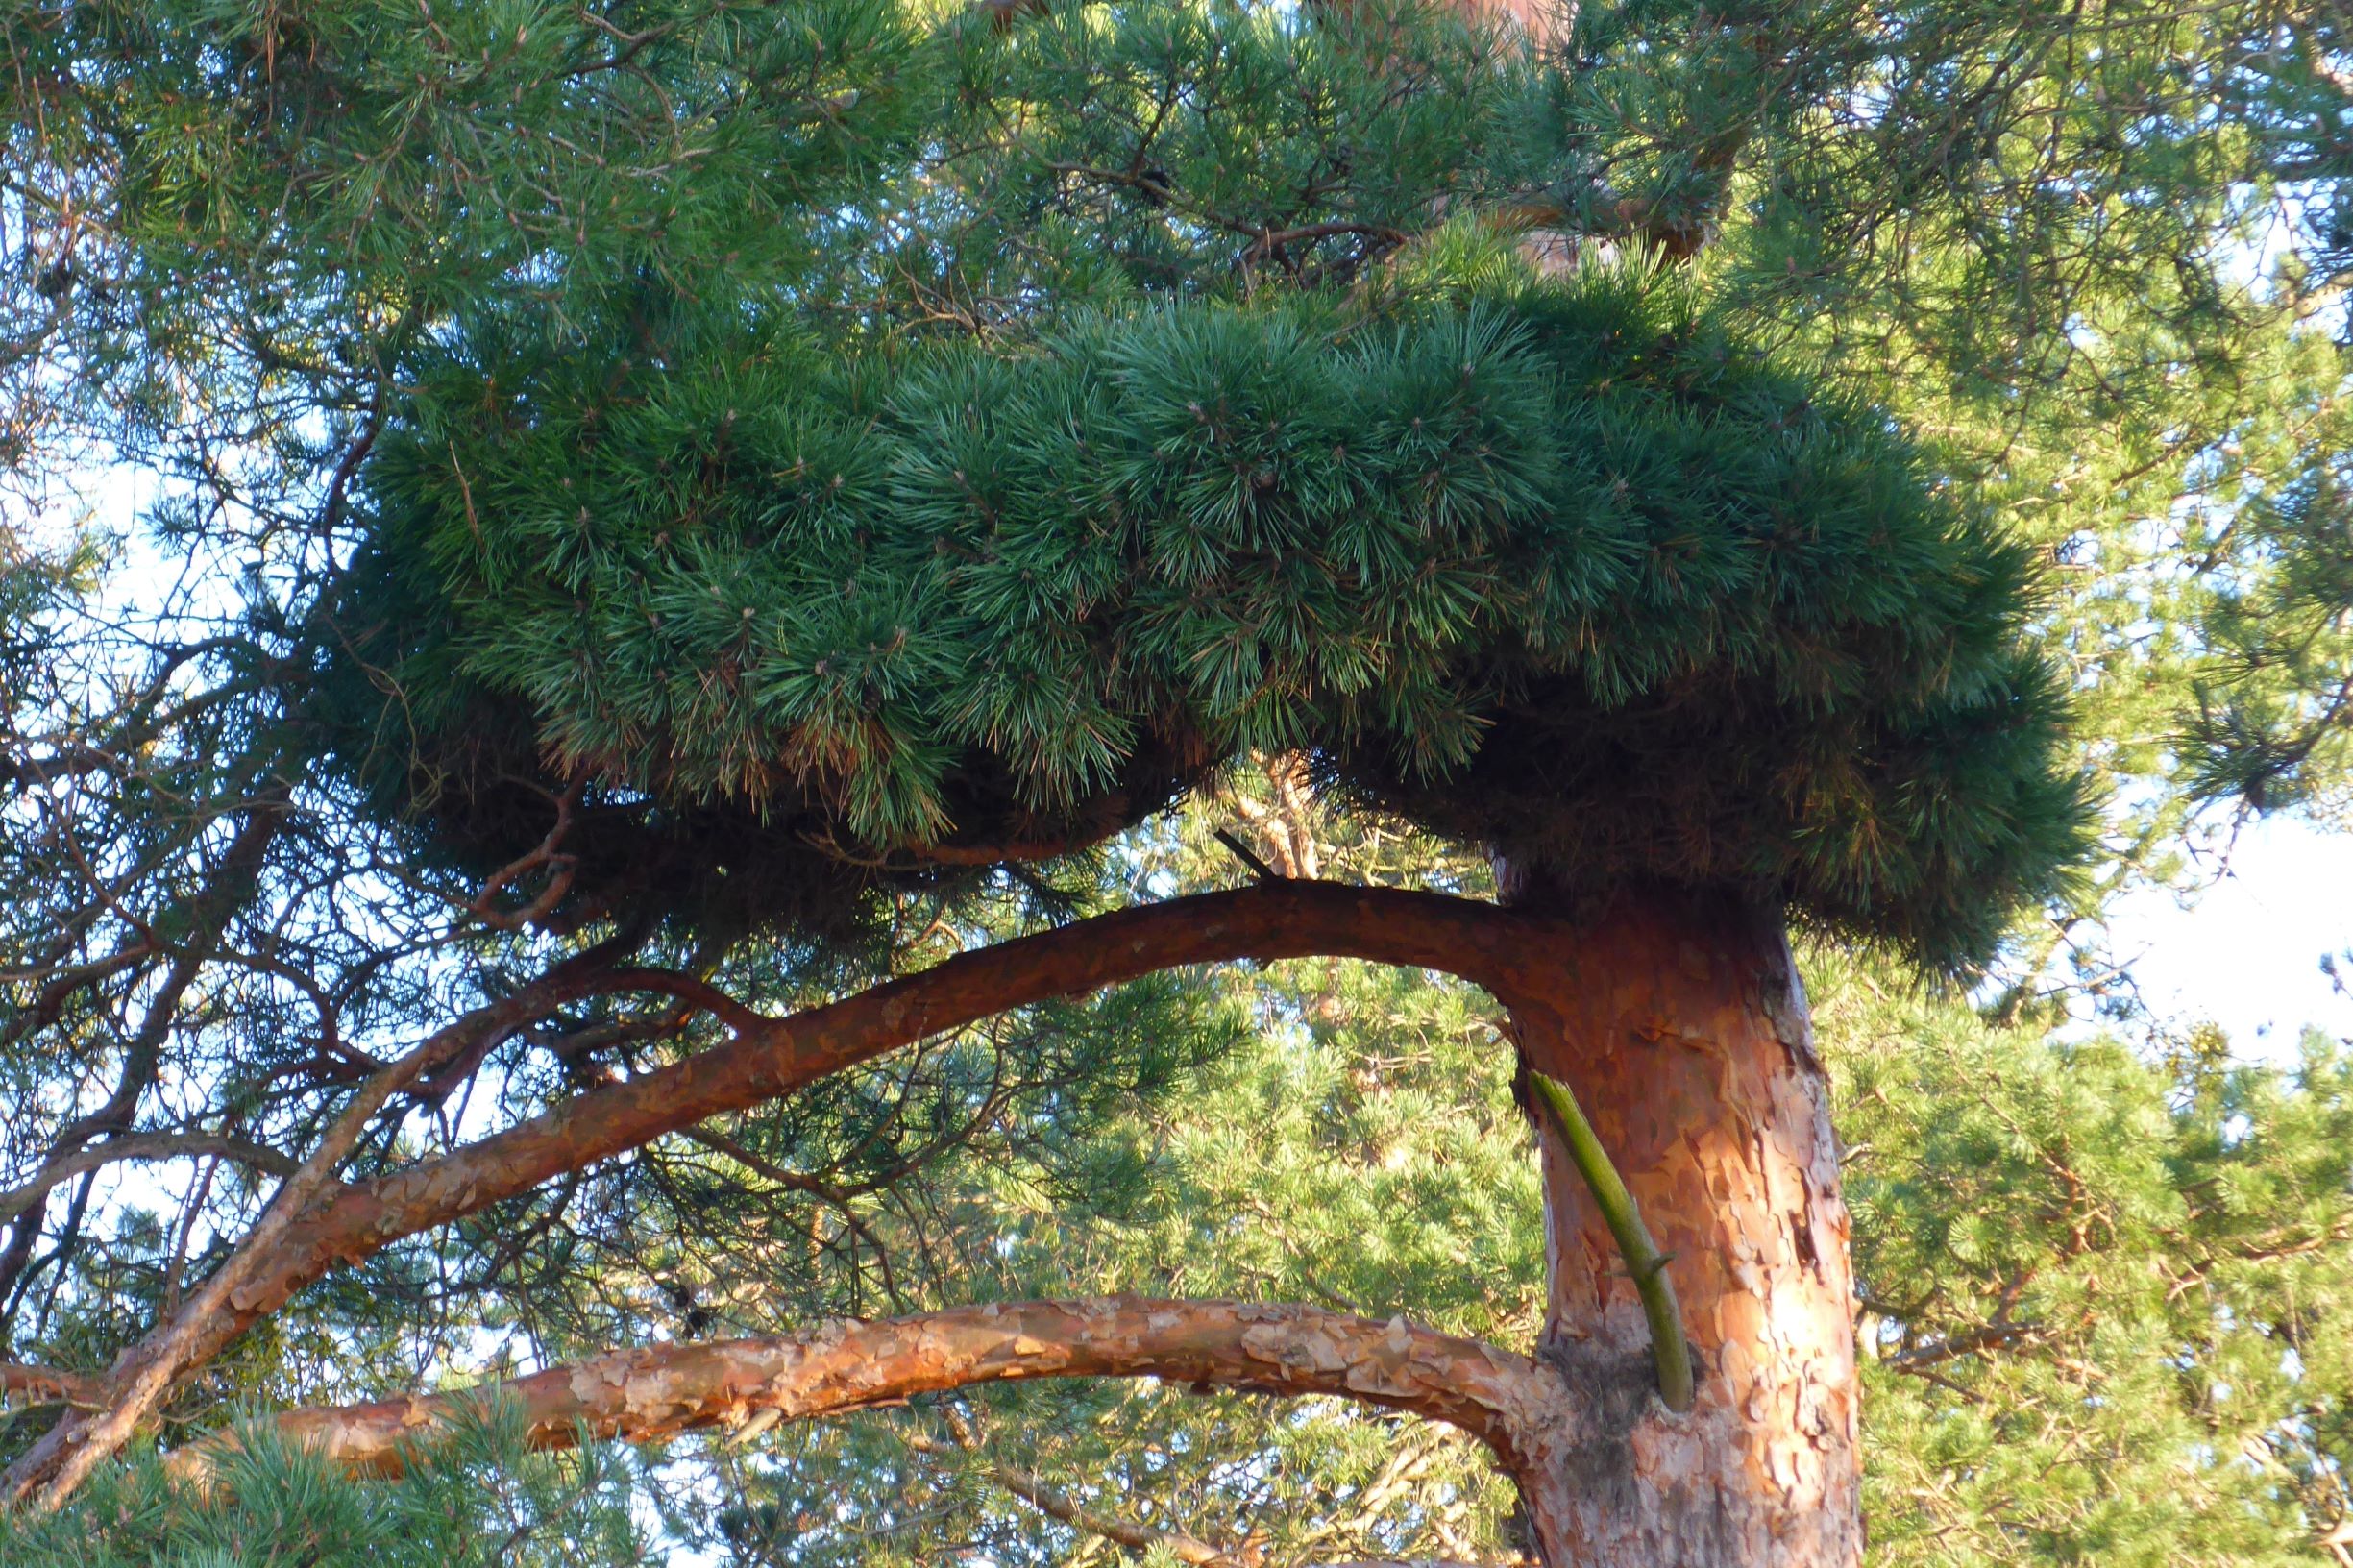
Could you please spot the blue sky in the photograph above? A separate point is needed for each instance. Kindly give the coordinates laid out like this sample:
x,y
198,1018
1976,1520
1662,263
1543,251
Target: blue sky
x,y
2245,953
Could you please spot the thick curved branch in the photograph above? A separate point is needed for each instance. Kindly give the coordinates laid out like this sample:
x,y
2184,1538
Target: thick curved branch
x,y
1503,1399
774,1057
769,1058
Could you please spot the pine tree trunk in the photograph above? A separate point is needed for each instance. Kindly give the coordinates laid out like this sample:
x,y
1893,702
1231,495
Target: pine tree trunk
x,y
1682,1029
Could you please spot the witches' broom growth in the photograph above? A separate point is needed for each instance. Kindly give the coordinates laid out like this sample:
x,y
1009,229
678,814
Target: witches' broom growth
x,y
1561,569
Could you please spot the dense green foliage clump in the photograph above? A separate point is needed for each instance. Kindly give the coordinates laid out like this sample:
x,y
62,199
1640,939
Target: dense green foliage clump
x,y
1554,567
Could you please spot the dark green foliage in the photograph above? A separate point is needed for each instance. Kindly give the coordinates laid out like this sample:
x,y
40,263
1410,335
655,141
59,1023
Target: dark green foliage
x,y
1557,568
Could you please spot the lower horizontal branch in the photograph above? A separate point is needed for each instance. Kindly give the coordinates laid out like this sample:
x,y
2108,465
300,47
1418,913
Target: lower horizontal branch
x,y
1501,1398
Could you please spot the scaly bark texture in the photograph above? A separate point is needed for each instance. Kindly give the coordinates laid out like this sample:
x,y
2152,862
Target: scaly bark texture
x,y
1506,1401
1682,1026
38,1385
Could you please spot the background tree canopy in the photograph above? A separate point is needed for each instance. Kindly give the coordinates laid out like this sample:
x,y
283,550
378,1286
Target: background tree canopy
x,y
591,455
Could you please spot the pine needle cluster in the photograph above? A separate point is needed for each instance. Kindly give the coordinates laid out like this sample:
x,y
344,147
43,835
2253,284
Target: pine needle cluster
x,y
1557,568
481,1499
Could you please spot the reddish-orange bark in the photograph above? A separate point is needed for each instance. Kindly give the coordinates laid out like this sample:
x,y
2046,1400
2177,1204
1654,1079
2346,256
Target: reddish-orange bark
x,y
1681,1027
1544,23
772,1057
1678,1024
1505,1400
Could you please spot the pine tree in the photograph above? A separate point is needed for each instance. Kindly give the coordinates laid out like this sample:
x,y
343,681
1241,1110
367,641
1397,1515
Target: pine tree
x,y
711,509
